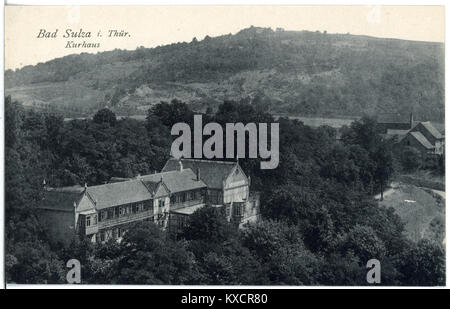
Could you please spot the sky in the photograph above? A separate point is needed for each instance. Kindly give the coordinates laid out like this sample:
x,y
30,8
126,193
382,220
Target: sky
x,y
150,26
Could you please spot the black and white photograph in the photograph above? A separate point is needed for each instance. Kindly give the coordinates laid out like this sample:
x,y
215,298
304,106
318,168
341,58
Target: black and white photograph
x,y
224,146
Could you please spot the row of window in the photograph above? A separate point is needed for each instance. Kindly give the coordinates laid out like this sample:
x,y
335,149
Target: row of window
x,y
105,235
125,210
120,211
185,196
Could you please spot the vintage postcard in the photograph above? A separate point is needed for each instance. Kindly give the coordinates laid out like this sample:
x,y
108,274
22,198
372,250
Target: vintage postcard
x,y
224,145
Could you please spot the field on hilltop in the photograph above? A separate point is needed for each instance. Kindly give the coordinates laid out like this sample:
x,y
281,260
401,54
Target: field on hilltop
x,y
297,72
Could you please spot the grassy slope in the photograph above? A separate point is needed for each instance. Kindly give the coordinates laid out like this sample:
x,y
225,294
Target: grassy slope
x,y
423,218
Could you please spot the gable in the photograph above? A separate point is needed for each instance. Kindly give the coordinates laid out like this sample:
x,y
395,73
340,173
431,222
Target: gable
x,y
161,190
416,139
236,178
85,204
429,131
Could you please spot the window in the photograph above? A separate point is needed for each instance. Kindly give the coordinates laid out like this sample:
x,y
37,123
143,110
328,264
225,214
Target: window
x,y
121,211
148,205
104,215
237,210
162,202
198,194
95,219
102,236
88,221
110,213
140,207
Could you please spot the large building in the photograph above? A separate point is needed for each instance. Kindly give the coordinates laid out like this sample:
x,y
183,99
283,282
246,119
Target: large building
x,y
168,198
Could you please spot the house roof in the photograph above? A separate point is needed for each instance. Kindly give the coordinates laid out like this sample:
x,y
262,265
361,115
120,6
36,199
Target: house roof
x,y
175,180
123,192
421,139
118,193
213,173
433,131
61,198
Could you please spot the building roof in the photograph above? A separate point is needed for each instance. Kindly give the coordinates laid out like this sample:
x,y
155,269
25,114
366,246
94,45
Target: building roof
x,y
175,180
433,131
421,139
61,198
213,173
118,193
126,191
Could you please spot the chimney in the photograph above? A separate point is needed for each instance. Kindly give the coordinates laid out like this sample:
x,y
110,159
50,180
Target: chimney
x,y
198,173
411,120
180,164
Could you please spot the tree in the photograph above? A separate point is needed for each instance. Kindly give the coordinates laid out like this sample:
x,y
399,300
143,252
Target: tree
x,y
364,243
362,132
105,115
210,224
424,264
171,113
149,257
281,252
410,158
34,262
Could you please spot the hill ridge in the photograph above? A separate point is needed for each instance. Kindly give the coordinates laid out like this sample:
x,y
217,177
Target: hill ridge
x,y
283,71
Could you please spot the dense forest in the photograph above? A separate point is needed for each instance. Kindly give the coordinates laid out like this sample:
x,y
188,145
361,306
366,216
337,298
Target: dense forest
x,y
295,72
320,222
